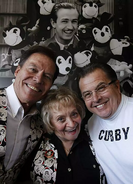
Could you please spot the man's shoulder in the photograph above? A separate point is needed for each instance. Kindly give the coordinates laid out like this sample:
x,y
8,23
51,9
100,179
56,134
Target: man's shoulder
x,y
93,117
48,41
93,121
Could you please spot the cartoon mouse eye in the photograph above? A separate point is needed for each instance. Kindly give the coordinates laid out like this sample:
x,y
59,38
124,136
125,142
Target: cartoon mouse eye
x,y
95,31
4,34
15,31
59,61
88,53
107,29
84,6
70,60
95,6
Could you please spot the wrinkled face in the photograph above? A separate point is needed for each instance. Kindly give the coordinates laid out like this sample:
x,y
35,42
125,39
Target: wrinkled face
x,y
66,25
66,122
34,78
103,104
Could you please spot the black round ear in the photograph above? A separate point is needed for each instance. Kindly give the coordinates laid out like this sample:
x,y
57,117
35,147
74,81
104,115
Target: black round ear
x,y
95,21
107,18
99,4
22,21
8,27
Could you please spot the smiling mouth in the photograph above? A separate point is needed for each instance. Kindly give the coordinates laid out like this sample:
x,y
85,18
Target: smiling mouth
x,y
33,88
68,32
100,106
72,130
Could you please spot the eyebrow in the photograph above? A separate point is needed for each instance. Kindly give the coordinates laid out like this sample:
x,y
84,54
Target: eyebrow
x,y
65,18
100,84
34,65
95,88
49,74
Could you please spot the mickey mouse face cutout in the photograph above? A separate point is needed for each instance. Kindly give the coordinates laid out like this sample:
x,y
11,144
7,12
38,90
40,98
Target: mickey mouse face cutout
x,y
15,34
64,59
12,37
90,10
102,35
101,31
64,62
45,6
117,45
83,58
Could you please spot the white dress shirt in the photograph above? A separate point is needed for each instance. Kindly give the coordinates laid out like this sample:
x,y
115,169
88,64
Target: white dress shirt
x,y
18,129
62,47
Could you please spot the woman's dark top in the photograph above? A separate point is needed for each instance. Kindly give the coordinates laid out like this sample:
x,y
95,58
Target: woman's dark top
x,y
78,167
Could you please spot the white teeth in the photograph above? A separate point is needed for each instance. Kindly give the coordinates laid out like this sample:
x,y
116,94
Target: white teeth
x,y
68,32
32,87
99,106
72,129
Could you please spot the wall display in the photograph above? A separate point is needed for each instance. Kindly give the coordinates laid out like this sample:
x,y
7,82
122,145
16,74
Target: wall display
x,y
97,30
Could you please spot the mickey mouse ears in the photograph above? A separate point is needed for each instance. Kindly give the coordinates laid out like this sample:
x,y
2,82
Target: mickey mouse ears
x,y
105,19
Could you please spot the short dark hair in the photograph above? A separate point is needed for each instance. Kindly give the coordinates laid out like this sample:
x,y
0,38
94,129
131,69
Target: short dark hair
x,y
59,6
43,50
110,73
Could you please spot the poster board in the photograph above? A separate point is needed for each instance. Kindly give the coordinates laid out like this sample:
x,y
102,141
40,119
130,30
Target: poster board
x,y
12,10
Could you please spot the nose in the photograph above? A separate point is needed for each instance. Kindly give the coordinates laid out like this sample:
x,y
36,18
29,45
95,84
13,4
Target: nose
x,y
95,96
38,77
70,122
70,25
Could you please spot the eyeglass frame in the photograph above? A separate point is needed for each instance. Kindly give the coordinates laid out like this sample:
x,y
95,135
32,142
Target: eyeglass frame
x,y
96,90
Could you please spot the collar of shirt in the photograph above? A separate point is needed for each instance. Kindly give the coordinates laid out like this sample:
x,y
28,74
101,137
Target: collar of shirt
x,y
12,98
56,141
63,46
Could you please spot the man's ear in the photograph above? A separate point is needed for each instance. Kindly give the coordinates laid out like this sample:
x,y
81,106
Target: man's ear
x,y
17,70
117,83
53,23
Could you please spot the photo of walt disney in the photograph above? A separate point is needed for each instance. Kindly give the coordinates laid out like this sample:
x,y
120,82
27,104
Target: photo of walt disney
x,y
80,32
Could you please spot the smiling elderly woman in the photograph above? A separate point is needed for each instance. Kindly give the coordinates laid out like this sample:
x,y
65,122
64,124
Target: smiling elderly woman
x,y
66,155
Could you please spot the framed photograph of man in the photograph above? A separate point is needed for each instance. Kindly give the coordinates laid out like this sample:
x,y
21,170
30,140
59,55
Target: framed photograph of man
x,y
80,32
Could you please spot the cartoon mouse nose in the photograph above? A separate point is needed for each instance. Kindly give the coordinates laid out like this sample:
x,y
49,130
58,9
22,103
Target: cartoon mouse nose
x,y
102,34
67,69
4,34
